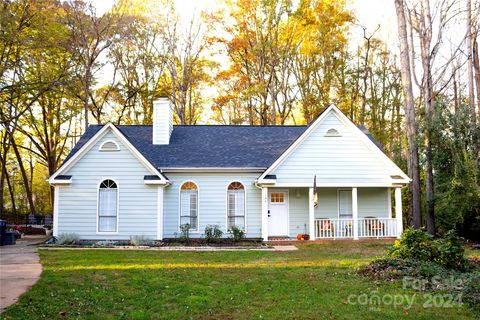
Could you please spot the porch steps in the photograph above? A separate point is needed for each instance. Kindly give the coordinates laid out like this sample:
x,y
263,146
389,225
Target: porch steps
x,y
279,239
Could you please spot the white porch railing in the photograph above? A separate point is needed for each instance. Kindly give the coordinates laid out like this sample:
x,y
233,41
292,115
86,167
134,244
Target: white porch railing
x,y
377,228
367,228
334,228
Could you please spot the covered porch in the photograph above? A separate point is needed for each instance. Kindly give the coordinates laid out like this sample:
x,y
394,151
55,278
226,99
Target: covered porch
x,y
341,212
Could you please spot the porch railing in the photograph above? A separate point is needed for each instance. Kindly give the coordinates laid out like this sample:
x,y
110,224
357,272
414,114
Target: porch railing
x,y
334,228
367,228
377,228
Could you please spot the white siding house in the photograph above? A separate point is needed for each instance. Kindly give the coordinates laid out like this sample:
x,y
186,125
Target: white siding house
x,y
328,180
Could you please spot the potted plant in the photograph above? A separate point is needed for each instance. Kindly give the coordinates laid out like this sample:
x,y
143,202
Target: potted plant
x,y
305,235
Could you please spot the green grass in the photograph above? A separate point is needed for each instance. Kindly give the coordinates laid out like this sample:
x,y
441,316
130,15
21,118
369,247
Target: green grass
x,y
311,283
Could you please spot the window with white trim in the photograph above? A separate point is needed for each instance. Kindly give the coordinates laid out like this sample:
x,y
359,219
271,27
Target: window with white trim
x,y
345,210
107,206
189,205
236,205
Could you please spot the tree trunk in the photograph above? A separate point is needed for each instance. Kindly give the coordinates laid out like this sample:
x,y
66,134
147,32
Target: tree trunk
x,y
456,102
3,175
429,102
26,183
12,195
470,39
411,126
476,67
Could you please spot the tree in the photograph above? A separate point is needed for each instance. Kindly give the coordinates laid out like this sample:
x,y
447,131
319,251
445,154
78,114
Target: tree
x,y
411,124
92,36
281,57
139,53
186,67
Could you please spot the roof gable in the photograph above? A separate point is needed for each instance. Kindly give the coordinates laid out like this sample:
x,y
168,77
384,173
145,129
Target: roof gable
x,y
346,157
92,141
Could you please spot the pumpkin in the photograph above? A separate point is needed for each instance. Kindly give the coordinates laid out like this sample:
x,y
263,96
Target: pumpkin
x,y
299,236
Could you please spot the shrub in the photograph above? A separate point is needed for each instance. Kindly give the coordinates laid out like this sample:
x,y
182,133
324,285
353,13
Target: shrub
x,y
237,233
68,238
185,232
396,268
140,240
471,292
451,252
213,233
415,244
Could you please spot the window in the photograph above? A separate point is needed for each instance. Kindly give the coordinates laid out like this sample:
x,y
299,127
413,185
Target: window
x,y
107,206
236,205
189,205
332,132
109,146
345,210
277,197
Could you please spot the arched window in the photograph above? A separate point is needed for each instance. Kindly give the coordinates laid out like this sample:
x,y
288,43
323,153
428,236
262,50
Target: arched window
x,y
189,205
107,206
236,205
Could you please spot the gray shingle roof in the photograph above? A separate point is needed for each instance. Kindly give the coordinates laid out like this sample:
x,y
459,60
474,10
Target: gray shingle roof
x,y
210,146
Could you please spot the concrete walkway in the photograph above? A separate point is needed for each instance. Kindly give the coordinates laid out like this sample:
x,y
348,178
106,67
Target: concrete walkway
x,y
179,248
20,268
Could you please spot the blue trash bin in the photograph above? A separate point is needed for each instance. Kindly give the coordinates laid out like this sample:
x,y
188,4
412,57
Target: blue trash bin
x,y
9,238
3,229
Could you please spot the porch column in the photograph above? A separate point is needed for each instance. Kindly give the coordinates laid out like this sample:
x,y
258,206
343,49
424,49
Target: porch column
x,y
355,213
265,214
56,192
398,211
160,213
389,200
311,214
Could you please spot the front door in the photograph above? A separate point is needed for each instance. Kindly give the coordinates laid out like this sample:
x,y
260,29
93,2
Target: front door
x,y
278,213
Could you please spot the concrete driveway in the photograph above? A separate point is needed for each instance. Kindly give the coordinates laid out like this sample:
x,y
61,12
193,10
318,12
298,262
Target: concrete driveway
x,y
20,268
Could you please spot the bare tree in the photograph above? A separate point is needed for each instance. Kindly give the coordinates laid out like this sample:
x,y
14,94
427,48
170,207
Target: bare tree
x,y
411,125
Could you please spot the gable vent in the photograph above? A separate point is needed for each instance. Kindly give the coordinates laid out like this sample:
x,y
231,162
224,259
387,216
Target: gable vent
x,y
332,132
109,146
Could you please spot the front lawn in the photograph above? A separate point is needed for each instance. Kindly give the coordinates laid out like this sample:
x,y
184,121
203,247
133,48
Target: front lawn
x,y
316,282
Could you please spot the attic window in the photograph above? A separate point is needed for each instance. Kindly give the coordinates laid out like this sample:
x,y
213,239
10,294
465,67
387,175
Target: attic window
x,y
109,146
332,132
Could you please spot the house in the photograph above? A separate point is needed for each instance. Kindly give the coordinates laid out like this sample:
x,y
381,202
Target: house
x,y
121,181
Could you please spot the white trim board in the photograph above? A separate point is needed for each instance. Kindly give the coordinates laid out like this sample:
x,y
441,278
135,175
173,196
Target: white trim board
x,y
160,213
91,142
363,138
328,185
55,210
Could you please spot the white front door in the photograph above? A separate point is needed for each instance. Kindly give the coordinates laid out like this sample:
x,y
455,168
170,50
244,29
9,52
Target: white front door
x,y
278,213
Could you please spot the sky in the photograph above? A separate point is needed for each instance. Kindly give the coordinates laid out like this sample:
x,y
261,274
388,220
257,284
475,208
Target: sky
x,y
369,13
